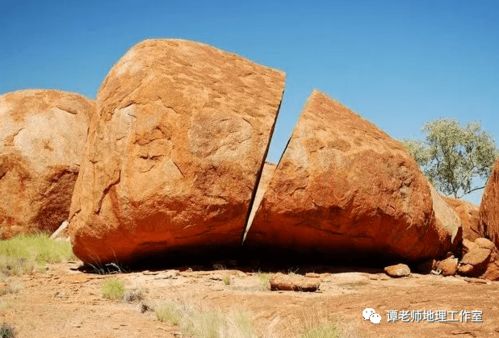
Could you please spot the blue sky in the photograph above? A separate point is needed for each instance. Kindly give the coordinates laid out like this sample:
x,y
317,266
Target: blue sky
x,y
397,63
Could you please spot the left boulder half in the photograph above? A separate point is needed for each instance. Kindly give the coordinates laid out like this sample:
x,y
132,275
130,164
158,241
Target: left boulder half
x,y
175,153
42,137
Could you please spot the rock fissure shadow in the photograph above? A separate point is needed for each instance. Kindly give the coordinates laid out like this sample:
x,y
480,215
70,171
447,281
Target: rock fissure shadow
x,y
254,260
252,205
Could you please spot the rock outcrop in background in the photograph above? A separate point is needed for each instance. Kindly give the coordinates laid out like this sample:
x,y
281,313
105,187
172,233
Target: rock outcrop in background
x,y
174,155
42,136
344,186
489,208
469,216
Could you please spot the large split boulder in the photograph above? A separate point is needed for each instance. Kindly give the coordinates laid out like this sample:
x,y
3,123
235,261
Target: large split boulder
x,y
469,216
489,208
345,187
42,137
174,155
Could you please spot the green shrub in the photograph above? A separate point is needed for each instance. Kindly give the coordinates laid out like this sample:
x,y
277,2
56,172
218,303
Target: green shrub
x,y
113,289
25,253
227,280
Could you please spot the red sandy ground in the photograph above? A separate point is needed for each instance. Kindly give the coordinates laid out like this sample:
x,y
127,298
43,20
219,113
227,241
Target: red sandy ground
x,y
64,302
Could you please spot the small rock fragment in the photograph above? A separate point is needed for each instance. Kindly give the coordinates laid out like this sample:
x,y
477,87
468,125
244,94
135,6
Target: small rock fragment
x,y
398,270
448,266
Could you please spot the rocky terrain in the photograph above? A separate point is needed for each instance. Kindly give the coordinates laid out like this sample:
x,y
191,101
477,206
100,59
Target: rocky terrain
x,y
162,189
64,302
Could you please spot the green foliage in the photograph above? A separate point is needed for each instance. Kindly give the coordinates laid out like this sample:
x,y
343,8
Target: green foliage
x,y
7,331
25,253
453,157
113,289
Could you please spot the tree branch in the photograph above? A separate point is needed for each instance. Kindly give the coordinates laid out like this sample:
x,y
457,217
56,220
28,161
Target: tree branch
x,y
474,189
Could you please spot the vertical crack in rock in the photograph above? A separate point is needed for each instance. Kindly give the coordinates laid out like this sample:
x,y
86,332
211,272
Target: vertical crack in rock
x,y
247,224
106,191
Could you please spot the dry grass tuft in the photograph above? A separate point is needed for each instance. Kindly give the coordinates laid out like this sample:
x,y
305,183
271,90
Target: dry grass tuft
x,y
7,331
26,253
196,322
113,289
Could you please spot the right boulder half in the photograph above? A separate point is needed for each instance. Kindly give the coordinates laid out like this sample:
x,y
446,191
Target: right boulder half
x,y
489,208
344,187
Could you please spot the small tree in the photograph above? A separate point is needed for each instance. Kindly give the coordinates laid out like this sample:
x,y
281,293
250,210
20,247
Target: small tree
x,y
457,160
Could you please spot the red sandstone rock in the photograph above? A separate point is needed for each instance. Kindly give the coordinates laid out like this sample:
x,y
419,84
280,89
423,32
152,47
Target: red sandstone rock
x,y
492,271
284,282
447,221
345,187
398,270
475,262
489,208
172,160
448,266
42,136
469,215
484,243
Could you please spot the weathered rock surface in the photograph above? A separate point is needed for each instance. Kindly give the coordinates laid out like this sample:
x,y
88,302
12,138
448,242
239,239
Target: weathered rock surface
x,y
345,187
447,221
492,271
42,137
469,215
284,282
173,157
481,259
485,243
468,246
398,270
489,208
475,262
448,266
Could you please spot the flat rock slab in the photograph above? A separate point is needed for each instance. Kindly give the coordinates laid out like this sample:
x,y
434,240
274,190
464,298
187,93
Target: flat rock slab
x,y
282,282
173,159
42,137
